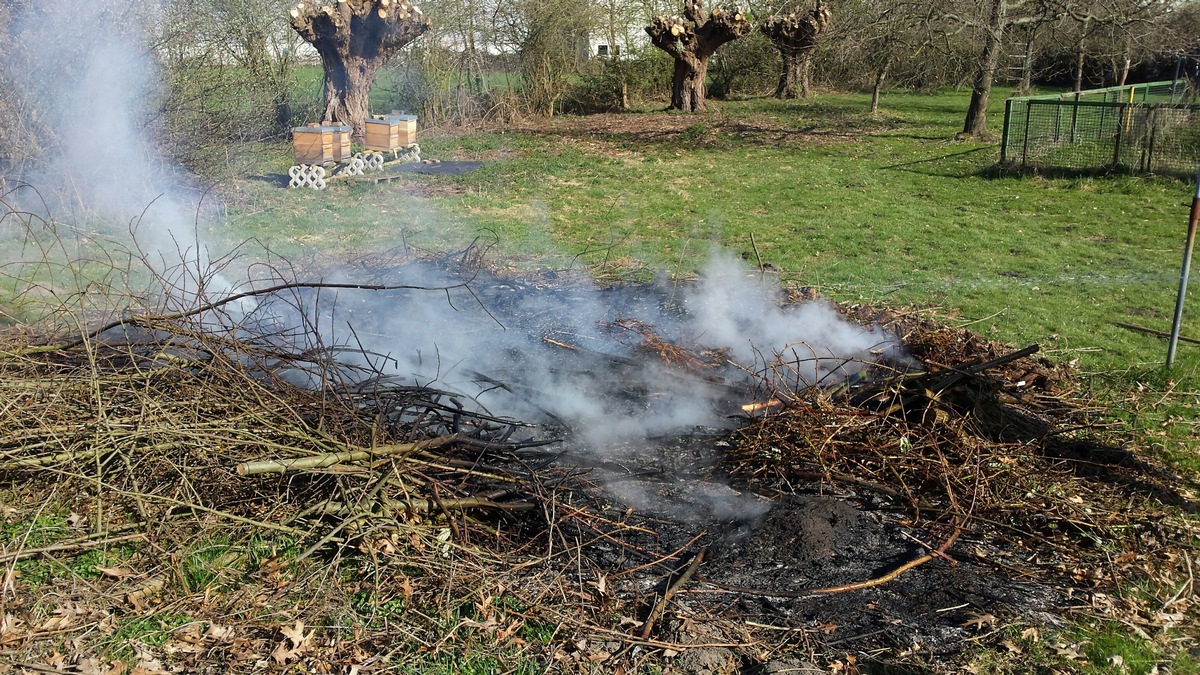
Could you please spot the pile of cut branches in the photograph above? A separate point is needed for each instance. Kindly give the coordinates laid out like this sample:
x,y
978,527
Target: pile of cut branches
x,y
169,418
165,427
978,437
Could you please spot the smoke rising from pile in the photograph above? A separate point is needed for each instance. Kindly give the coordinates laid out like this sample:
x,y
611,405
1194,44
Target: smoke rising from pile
x,y
561,354
86,68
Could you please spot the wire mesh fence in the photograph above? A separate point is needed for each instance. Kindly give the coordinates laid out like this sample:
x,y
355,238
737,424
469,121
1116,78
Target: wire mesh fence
x,y
1145,128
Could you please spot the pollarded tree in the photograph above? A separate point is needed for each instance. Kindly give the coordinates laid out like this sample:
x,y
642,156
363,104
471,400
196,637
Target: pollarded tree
x,y
795,35
691,40
354,38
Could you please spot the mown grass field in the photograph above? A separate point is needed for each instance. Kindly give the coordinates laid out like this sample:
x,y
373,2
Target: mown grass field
x,y
886,208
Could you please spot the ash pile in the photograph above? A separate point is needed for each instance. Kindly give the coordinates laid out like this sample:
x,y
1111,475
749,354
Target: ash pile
x,y
710,471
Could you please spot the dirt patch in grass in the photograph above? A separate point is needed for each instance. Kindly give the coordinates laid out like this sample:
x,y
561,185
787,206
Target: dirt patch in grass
x,y
629,131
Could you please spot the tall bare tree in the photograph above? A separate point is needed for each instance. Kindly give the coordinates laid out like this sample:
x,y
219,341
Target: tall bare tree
x,y
795,35
354,38
691,40
993,24
1116,31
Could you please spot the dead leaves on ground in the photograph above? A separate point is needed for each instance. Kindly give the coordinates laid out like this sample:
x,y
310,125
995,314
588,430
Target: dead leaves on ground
x,y
300,643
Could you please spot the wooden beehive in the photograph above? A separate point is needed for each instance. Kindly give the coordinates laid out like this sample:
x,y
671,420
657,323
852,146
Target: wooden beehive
x,y
341,142
313,144
387,133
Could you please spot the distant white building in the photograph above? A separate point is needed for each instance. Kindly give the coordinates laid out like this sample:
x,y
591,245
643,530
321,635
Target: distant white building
x,y
619,41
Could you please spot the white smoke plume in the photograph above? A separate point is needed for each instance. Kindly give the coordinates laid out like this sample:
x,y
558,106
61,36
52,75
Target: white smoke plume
x,y
795,347
87,69
553,354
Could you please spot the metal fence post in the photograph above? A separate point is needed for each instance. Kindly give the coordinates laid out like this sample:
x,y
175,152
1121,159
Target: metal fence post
x,y
1183,276
1117,141
1004,134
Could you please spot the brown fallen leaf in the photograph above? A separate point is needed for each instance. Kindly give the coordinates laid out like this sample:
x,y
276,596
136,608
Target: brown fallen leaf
x,y
217,632
8,582
979,621
55,623
300,643
10,629
114,572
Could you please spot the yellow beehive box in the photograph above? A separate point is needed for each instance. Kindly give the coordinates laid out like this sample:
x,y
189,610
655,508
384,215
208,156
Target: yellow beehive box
x,y
387,133
313,144
341,142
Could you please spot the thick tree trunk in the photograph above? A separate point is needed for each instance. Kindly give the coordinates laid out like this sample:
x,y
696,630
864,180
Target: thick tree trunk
x,y
1081,54
806,75
691,40
1079,60
877,89
976,121
1026,84
687,84
1126,62
789,80
348,90
795,36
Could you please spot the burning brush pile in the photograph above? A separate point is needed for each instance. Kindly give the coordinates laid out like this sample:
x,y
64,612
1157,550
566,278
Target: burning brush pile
x,y
425,469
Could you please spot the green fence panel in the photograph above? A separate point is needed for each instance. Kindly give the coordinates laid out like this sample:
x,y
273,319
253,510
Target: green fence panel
x,y
1131,129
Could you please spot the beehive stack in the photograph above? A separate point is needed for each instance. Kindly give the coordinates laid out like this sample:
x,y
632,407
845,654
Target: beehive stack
x,y
388,133
313,144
